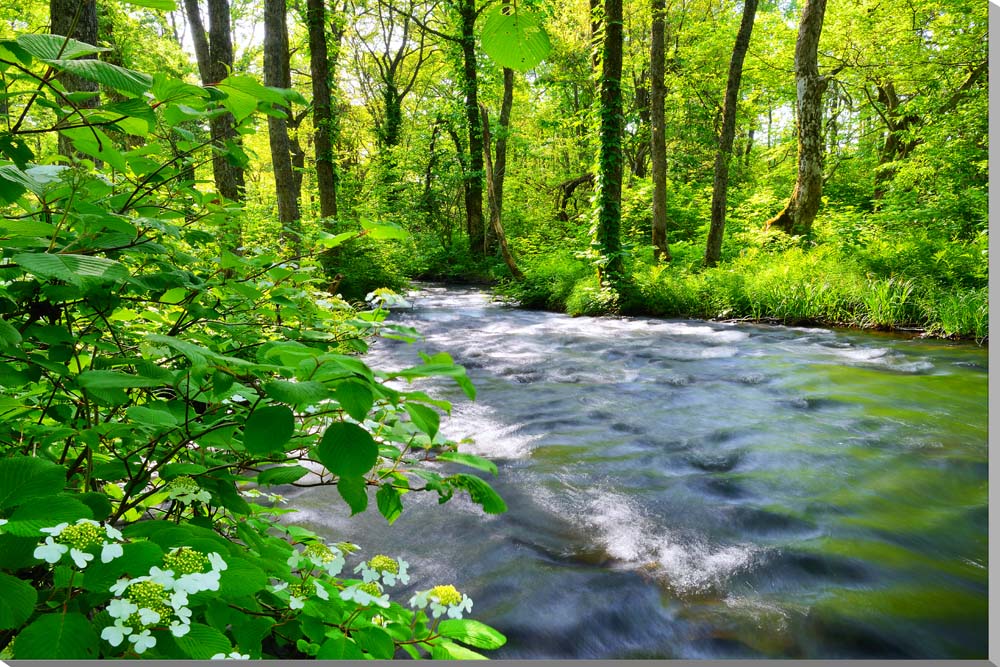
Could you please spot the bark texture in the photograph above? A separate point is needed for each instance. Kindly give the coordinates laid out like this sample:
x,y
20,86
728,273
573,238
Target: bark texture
x,y
797,217
657,138
474,175
495,205
322,65
720,182
76,19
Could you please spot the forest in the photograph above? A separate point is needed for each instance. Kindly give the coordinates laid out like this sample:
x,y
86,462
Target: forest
x,y
208,211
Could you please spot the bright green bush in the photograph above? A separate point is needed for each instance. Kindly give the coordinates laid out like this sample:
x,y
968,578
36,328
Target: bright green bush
x,y
156,388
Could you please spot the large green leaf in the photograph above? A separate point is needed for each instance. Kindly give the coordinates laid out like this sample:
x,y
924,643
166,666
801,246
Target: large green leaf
x,y
354,491
472,632
451,651
389,503
162,5
135,561
17,601
49,47
25,478
74,269
376,642
57,636
9,336
425,418
471,460
281,475
121,79
297,393
241,578
347,450
356,398
514,38
480,492
202,642
268,429
100,380
28,519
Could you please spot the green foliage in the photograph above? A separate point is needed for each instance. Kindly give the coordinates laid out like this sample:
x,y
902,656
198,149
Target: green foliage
x,y
514,37
156,387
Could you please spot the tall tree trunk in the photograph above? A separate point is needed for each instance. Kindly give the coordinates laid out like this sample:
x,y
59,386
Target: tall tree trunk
x,y
474,176
320,66
229,177
76,19
500,148
611,268
657,140
713,249
495,206
277,74
797,217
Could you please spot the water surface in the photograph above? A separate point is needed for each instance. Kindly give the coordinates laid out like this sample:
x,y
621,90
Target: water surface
x,y
686,489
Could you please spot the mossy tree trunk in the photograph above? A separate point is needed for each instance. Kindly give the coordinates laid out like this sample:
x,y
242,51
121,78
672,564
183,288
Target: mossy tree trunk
x,y
607,231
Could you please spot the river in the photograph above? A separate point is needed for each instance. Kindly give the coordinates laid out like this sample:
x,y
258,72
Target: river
x,y
687,489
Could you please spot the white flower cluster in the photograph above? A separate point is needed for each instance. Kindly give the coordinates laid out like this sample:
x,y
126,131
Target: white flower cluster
x,y
443,600
155,599
318,555
185,490
235,655
78,540
366,594
384,570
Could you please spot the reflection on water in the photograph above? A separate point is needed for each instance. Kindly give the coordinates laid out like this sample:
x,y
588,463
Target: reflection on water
x,y
683,489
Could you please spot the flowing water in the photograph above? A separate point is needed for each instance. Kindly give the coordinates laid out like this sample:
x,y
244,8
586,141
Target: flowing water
x,y
686,489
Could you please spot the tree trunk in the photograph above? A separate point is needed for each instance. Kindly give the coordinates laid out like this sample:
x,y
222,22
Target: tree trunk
x,y
277,74
500,159
76,19
611,268
495,206
320,66
657,139
713,249
474,176
229,178
797,217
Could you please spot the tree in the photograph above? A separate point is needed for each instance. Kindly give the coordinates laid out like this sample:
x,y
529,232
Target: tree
x,y
657,140
323,66
798,215
76,19
277,74
713,248
607,230
470,87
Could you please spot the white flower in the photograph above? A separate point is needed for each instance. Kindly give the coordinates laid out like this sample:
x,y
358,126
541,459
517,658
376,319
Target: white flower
x,y
197,582
142,641
110,551
55,530
280,586
184,614
364,597
120,608
178,600
80,558
321,592
115,634
2,522
235,655
389,578
51,551
113,533
179,629
419,601
148,616
295,602
218,565
455,610
122,584
368,575
164,578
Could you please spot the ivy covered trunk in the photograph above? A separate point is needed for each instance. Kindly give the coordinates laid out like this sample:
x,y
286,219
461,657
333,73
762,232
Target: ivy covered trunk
x,y
607,232
657,141
474,175
319,64
797,217
720,183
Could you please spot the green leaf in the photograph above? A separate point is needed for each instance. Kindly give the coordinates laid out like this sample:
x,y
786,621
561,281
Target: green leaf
x,y
28,519
281,475
16,150
297,393
471,460
241,579
12,228
452,651
17,601
100,506
389,503
135,561
57,636
268,429
514,38
381,232
347,450
376,642
73,269
202,642
47,47
101,380
480,492
171,470
355,397
121,79
9,336
25,478
354,491
426,419
472,632
153,417
162,5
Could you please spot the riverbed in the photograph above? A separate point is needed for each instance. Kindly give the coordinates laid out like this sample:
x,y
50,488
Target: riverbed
x,y
688,489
